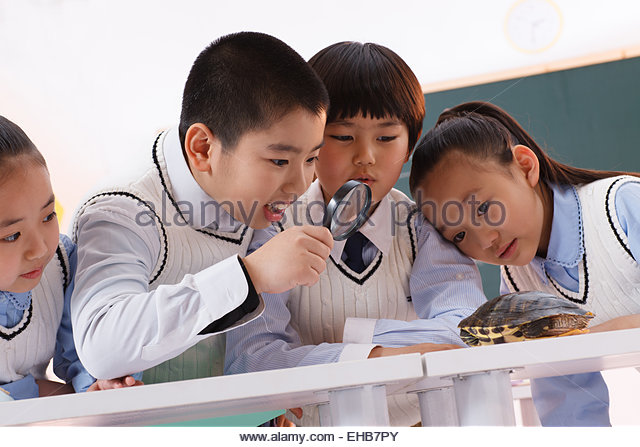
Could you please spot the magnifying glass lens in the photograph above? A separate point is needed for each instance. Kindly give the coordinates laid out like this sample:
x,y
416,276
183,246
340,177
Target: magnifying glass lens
x,y
348,209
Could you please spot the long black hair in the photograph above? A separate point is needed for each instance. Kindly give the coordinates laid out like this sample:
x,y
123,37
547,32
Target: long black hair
x,y
485,131
15,146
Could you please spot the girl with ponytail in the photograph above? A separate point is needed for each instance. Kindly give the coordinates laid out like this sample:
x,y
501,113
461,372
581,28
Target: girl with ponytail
x,y
489,188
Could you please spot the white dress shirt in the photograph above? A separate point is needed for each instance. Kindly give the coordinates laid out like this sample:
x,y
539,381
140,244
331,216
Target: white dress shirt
x,y
120,326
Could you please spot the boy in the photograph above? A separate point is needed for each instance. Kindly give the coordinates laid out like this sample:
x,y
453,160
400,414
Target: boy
x,y
161,261
396,269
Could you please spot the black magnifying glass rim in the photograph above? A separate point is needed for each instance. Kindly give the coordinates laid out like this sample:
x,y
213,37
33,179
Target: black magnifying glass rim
x,y
337,198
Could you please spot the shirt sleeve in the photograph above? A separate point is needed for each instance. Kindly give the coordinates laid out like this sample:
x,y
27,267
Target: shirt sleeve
x,y
25,388
271,342
66,364
627,204
445,288
120,326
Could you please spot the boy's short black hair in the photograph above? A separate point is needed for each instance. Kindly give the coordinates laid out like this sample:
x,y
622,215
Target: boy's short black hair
x,y
370,80
246,81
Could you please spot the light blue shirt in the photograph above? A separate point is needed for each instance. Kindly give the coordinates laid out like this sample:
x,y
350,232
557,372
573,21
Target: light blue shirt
x,y
445,287
66,364
578,399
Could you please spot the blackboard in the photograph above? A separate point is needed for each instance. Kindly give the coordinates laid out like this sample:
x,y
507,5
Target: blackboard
x,y
587,117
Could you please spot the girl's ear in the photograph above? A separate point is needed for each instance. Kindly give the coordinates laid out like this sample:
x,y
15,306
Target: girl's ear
x,y
527,161
201,146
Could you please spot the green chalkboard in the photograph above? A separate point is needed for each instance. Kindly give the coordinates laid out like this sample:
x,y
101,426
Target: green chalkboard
x,y
587,117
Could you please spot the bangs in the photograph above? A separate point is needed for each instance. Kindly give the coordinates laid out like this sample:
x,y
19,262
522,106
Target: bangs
x,y
372,81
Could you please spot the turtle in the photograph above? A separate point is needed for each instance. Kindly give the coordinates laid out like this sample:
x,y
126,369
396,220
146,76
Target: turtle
x,y
522,316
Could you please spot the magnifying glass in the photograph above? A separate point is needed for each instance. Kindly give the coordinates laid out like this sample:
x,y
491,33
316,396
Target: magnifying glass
x,y
347,210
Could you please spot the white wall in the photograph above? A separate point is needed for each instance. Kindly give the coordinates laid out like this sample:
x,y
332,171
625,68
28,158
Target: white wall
x,y
91,81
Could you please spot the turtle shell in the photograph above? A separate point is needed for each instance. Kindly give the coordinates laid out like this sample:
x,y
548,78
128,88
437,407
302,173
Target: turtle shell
x,y
520,316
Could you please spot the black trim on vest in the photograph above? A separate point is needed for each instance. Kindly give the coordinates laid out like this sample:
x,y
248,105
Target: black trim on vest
x,y
65,269
411,235
154,155
510,278
140,202
250,304
278,225
225,238
610,219
24,326
362,280
553,283
586,283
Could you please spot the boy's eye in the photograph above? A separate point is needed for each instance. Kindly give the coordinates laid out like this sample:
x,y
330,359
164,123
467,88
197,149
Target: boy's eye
x,y
459,237
312,159
386,139
482,209
342,137
50,217
14,237
280,162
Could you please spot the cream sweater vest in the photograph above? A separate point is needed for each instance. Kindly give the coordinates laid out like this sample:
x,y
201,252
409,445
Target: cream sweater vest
x,y
319,312
28,347
609,281
184,250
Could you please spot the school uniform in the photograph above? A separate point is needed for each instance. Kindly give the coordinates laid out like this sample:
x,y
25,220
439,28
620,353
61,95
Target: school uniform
x,y
159,274
592,261
414,288
35,326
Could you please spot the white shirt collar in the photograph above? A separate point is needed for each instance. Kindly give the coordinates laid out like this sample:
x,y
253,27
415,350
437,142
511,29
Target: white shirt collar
x,y
197,207
377,228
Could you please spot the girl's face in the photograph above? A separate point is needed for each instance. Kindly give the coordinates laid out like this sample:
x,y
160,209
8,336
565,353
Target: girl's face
x,y
28,227
366,149
492,213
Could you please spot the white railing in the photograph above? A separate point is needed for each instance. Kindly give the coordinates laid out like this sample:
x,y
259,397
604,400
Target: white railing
x,y
457,387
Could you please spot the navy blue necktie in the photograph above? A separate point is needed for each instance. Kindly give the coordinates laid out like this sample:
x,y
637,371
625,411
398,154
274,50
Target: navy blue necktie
x,y
353,249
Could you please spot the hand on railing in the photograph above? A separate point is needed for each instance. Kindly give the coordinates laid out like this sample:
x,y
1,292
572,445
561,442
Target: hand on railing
x,y
282,421
110,384
422,348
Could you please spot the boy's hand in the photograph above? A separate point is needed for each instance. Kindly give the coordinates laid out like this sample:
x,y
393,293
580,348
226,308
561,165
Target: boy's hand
x,y
294,257
111,384
421,348
282,421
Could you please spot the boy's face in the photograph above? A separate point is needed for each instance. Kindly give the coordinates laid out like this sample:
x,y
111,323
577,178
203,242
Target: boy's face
x,y
267,170
28,227
366,149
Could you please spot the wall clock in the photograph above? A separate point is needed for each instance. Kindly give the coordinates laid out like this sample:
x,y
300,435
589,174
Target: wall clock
x,y
533,26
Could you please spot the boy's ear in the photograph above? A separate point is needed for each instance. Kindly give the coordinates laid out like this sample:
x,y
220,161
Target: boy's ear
x,y
527,161
200,145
